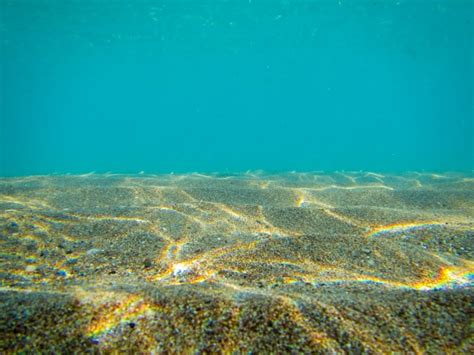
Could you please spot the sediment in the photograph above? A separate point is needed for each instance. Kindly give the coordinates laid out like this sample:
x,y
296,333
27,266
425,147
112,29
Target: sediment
x,y
297,262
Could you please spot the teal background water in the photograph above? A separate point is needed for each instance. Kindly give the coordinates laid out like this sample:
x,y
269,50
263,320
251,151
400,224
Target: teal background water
x,y
162,86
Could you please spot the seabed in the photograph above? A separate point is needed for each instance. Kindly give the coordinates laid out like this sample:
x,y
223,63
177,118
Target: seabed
x,y
313,263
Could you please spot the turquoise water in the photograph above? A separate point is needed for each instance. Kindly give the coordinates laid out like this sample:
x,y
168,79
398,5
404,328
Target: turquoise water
x,y
183,86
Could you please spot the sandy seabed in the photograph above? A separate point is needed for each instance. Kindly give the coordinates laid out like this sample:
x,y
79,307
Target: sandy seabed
x,y
297,262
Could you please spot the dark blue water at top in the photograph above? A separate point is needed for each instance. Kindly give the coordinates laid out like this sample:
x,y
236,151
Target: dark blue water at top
x,y
183,86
